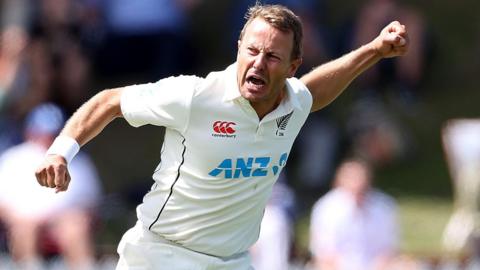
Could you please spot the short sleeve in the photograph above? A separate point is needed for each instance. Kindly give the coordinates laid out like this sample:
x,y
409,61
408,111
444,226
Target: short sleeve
x,y
303,95
164,103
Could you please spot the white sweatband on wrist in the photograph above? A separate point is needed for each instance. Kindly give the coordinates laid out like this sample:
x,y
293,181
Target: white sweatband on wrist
x,y
64,146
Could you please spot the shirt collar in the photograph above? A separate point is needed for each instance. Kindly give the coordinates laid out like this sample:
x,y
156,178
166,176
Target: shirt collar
x,y
233,92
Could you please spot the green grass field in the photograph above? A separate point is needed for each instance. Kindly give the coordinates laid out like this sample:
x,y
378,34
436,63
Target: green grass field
x,y
423,221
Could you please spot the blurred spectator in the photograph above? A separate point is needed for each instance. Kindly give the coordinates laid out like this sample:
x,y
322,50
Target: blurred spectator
x,y
41,59
376,134
403,75
34,216
14,13
273,247
149,39
461,144
374,131
353,226
13,38
13,74
60,61
13,41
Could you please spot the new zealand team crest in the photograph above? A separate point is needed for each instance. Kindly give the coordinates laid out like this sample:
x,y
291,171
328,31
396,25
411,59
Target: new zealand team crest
x,y
282,123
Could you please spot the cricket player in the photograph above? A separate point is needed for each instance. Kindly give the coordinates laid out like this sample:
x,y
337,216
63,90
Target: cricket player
x,y
227,138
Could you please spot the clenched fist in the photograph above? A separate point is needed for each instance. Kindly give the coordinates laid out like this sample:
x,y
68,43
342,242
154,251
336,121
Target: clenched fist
x,y
53,173
392,40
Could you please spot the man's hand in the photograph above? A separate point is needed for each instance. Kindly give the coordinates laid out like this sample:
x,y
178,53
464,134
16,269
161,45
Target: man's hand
x,y
53,173
392,41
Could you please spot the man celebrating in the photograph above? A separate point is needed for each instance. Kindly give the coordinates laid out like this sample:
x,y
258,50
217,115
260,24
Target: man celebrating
x,y
205,208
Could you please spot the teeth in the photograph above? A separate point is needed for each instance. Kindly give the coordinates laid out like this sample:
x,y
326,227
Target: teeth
x,y
256,81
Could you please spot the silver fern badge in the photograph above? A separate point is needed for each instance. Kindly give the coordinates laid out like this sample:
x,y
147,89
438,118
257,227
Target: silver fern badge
x,y
282,123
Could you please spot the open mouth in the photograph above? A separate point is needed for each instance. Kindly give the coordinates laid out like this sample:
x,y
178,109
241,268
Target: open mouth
x,y
255,80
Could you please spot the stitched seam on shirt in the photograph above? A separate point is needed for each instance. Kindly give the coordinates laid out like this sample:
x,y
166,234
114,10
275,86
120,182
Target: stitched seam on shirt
x,y
172,186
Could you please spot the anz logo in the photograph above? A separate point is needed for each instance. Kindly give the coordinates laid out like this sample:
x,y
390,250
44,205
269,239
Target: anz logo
x,y
248,167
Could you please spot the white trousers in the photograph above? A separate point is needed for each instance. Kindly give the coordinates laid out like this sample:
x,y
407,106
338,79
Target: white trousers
x,y
140,249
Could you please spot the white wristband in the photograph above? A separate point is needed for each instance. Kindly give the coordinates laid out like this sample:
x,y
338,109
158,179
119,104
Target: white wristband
x,y
64,146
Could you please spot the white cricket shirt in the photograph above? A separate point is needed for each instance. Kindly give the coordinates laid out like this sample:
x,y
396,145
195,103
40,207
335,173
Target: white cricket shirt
x,y
218,161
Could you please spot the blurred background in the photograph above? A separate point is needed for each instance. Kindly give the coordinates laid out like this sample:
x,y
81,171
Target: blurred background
x,y
65,51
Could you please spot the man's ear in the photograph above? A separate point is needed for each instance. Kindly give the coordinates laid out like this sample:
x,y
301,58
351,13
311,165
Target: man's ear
x,y
294,65
239,43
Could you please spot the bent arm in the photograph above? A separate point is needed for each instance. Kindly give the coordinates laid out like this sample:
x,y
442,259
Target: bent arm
x,y
328,81
86,123
93,116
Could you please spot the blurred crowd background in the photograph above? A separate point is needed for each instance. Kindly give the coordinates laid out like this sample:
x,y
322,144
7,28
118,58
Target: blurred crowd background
x,y
411,126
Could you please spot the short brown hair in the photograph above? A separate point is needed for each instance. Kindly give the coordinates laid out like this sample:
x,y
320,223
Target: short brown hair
x,y
282,19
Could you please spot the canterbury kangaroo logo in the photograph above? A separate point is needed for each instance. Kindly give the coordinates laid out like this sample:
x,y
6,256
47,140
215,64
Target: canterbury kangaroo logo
x,y
282,123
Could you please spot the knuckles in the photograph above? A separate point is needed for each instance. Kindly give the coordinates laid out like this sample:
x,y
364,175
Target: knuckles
x,y
50,173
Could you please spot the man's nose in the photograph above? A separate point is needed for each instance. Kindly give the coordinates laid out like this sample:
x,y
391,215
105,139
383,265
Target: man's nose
x,y
259,62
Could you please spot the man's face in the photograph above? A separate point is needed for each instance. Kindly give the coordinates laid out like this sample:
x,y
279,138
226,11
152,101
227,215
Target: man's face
x,y
264,63
354,178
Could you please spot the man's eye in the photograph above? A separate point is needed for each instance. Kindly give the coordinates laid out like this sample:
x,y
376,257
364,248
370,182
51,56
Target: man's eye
x,y
274,57
252,51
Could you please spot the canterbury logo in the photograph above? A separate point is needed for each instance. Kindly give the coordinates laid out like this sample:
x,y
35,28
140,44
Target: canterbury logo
x,y
223,127
282,123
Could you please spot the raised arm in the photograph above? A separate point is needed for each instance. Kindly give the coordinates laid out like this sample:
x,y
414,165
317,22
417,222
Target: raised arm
x,y
328,81
86,123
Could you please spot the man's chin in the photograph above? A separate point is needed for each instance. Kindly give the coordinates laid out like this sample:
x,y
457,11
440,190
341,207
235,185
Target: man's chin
x,y
253,97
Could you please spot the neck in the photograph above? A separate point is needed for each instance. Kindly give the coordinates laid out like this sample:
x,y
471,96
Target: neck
x,y
264,108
